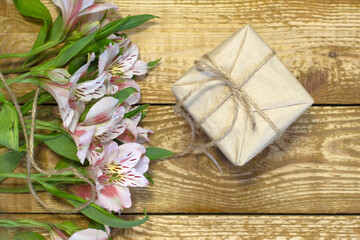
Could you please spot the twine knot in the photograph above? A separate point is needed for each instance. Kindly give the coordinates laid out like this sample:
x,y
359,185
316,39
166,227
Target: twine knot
x,y
236,92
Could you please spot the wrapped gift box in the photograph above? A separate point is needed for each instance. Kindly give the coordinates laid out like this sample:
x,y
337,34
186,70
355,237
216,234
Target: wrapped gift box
x,y
259,73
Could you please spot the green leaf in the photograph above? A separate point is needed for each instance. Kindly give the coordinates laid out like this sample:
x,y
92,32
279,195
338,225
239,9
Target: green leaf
x,y
143,115
42,98
95,46
55,34
123,24
149,178
9,126
153,63
65,163
124,94
64,146
96,225
93,211
29,236
75,64
154,153
111,28
136,111
35,9
26,96
9,161
71,50
69,227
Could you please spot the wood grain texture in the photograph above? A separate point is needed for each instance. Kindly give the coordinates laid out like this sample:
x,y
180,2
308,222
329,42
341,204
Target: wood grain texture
x,y
318,172
221,226
318,41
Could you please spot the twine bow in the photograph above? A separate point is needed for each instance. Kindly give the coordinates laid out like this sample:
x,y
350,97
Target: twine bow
x,y
236,92
30,160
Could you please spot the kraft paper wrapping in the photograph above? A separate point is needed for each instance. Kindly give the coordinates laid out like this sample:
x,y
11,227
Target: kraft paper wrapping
x,y
272,87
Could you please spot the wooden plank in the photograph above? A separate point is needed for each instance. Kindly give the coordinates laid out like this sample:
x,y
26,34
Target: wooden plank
x,y
222,226
318,172
318,41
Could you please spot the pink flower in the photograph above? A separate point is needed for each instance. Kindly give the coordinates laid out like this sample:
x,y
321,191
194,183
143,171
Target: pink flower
x,y
101,125
126,65
118,168
91,234
70,109
133,133
70,96
120,67
73,10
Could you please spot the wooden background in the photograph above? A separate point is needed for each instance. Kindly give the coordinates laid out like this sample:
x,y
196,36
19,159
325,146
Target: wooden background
x,y
309,191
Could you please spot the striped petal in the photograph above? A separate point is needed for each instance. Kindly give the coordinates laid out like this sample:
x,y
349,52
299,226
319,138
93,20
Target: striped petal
x,y
114,197
98,7
90,233
108,56
102,111
91,89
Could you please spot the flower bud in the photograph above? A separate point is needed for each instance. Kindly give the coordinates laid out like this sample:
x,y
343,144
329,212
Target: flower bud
x,y
59,75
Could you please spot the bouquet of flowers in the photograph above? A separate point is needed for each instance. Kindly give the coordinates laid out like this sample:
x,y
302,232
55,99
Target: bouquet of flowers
x,y
88,66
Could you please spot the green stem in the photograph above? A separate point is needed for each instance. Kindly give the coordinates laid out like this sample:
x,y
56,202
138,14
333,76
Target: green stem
x,y
41,177
32,52
21,189
17,79
42,56
15,70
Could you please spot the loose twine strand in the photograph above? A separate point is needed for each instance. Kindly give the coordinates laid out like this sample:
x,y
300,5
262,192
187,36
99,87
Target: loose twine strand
x,y
240,97
30,160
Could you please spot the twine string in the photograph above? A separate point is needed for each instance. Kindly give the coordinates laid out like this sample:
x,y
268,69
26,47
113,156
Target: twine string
x,y
30,160
241,98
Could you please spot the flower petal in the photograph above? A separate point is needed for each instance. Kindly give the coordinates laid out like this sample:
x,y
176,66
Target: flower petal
x,y
114,197
89,234
130,133
83,191
98,8
61,94
129,154
143,165
126,61
143,135
91,89
82,70
134,179
101,111
78,108
83,139
108,56
139,68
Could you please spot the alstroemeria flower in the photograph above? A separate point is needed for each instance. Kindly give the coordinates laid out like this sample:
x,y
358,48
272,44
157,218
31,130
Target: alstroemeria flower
x,y
133,133
73,10
119,167
70,109
70,96
101,124
120,66
91,234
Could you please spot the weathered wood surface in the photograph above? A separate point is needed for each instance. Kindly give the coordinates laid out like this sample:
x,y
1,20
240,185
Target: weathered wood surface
x,y
319,172
318,41
224,226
